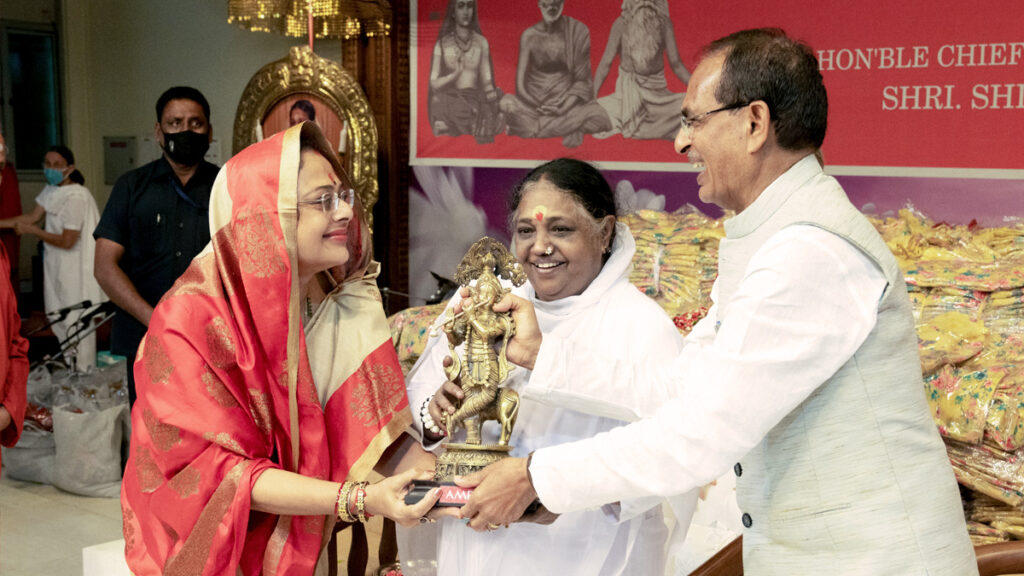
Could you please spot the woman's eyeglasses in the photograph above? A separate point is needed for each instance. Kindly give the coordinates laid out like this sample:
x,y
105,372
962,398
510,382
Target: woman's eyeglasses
x,y
330,201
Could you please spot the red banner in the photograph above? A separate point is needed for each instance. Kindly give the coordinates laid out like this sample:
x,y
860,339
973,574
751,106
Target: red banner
x,y
917,87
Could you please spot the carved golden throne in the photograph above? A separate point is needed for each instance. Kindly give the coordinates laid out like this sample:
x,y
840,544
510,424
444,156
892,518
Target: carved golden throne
x,y
341,106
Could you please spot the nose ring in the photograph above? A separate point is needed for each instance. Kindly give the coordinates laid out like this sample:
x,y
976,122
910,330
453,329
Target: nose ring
x,y
550,250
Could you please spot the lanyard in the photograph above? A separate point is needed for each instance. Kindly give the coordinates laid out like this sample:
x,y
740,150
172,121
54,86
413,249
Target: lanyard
x,y
181,193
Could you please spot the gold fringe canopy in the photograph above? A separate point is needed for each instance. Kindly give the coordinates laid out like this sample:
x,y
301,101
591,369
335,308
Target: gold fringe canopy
x,y
343,19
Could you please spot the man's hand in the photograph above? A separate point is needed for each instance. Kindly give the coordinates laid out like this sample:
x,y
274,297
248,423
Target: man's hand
x,y
524,346
541,516
501,493
116,284
5,418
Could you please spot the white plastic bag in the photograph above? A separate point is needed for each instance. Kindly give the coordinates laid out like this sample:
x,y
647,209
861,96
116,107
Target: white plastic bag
x,y
40,386
88,456
32,458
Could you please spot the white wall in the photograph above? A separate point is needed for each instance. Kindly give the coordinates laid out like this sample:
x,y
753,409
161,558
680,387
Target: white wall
x,y
120,55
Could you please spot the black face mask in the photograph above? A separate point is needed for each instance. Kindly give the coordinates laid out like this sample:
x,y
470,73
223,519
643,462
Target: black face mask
x,y
186,148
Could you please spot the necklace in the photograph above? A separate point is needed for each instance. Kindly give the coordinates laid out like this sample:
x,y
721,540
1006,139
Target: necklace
x,y
463,46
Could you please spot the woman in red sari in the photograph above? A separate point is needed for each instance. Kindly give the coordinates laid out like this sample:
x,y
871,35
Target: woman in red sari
x,y
268,384
13,360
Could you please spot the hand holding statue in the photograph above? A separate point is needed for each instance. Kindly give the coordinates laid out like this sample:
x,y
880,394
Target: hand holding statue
x,y
525,343
445,401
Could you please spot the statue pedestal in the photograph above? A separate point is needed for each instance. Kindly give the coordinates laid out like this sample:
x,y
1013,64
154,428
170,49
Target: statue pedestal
x,y
462,459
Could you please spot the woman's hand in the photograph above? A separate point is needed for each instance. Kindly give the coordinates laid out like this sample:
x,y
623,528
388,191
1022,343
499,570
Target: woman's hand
x,y
443,404
387,498
21,228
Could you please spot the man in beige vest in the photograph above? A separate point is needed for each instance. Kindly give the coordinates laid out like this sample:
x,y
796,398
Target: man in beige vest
x,y
804,378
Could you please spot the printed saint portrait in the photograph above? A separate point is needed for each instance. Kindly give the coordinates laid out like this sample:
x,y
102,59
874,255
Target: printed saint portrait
x,y
463,96
642,106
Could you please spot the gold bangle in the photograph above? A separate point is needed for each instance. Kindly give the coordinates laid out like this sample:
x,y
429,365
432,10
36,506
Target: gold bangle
x,y
350,502
361,503
341,506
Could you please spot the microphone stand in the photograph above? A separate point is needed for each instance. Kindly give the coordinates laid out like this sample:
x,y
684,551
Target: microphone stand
x,y
59,316
73,338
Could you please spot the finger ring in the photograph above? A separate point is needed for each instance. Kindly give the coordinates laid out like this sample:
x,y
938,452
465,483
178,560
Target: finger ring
x,y
492,527
426,520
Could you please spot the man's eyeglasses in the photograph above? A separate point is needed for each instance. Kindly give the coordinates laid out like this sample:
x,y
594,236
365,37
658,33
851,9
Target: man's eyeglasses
x,y
330,201
689,124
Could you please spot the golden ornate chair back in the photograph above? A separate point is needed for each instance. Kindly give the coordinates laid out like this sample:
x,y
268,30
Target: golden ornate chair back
x,y
341,106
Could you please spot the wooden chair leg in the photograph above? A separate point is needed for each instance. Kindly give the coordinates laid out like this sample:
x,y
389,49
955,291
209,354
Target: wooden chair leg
x,y
727,562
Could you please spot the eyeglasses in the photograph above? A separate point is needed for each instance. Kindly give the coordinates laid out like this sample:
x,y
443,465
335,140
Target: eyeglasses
x,y
330,201
689,124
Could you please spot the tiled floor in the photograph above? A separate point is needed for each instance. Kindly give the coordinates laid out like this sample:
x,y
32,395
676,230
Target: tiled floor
x,y
43,529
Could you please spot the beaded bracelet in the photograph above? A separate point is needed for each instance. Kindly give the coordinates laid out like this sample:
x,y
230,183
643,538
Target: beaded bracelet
x,y
428,420
342,510
361,513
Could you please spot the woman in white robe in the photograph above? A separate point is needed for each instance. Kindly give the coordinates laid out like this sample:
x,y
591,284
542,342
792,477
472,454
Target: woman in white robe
x,y
577,259
71,216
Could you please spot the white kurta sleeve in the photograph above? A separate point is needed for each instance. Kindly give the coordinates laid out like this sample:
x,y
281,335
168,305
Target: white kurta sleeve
x,y
805,304
426,376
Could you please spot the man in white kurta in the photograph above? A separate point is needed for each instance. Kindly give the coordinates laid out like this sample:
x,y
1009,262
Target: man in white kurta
x,y
617,321
804,378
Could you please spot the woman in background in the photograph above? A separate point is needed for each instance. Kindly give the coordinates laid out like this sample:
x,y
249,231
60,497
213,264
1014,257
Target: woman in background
x,y
13,361
68,248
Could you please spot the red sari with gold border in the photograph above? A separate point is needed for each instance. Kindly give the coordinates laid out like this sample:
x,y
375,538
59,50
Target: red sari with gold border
x,y
14,361
226,390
